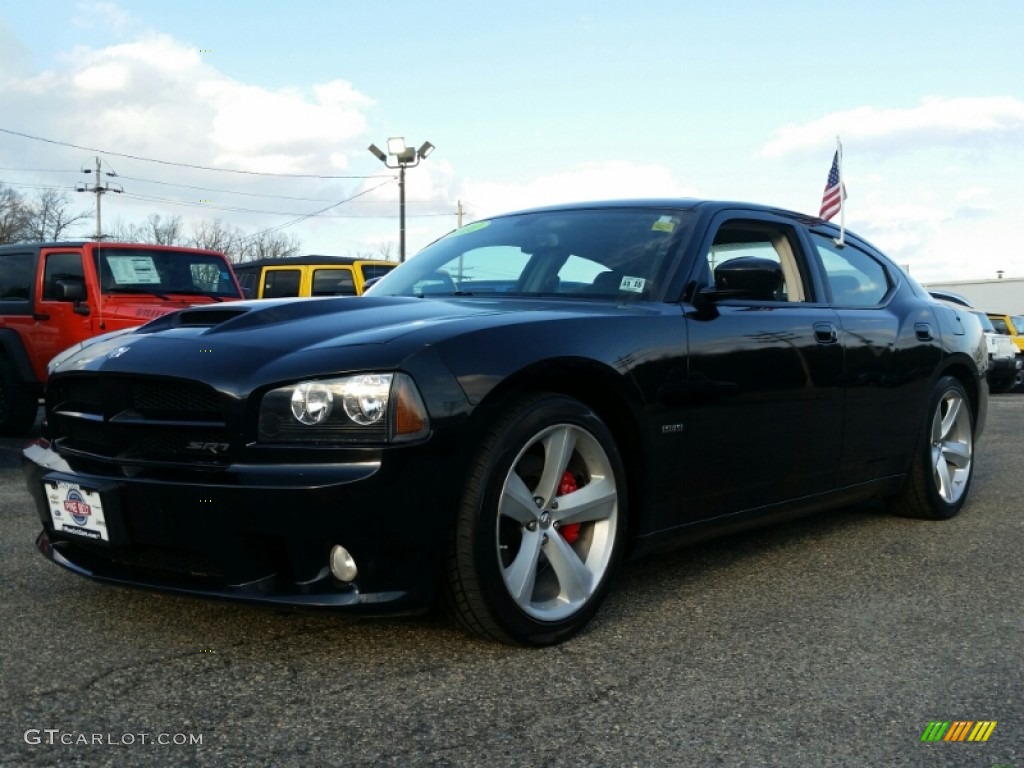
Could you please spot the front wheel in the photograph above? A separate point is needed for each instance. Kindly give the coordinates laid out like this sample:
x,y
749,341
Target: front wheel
x,y
540,526
1018,381
940,473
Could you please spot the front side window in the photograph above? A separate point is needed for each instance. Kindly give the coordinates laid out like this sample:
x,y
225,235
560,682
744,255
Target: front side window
x,y
333,282
61,267
616,252
371,271
756,259
854,278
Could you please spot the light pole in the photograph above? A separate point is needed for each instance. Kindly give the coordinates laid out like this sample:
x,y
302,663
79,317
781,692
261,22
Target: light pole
x,y
405,157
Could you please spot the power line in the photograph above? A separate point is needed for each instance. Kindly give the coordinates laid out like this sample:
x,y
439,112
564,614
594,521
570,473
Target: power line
x,y
41,170
315,213
180,165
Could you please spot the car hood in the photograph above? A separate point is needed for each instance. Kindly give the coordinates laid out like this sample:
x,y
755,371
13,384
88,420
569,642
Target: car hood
x,y
250,342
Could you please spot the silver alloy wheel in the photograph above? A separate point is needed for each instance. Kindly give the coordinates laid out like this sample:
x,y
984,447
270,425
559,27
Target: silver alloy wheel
x,y
951,446
551,567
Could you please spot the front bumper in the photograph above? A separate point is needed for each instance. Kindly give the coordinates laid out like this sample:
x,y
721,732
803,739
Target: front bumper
x,y
260,534
1003,370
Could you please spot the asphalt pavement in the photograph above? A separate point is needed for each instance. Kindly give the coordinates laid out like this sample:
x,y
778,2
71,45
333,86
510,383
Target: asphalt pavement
x,y
834,640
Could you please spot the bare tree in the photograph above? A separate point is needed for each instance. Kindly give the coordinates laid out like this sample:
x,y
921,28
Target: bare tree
x,y
48,216
13,218
211,235
216,236
163,231
386,251
267,245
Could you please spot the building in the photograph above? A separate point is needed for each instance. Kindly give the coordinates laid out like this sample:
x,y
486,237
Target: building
x,y
1004,295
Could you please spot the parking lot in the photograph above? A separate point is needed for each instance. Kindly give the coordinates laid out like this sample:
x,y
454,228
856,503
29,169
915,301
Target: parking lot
x,y
830,641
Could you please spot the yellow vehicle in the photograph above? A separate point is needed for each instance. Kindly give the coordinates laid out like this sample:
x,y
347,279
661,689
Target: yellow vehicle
x,y
308,276
1012,326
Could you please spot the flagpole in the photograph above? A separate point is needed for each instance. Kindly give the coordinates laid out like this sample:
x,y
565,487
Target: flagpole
x,y
842,196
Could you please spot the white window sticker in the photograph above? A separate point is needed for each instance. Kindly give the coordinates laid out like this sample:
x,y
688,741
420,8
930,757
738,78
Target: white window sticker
x,y
632,284
137,270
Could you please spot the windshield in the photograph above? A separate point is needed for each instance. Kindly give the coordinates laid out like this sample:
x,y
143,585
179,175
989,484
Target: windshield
x,y
590,253
159,272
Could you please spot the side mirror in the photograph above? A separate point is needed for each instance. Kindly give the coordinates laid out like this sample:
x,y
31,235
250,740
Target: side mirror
x,y
70,289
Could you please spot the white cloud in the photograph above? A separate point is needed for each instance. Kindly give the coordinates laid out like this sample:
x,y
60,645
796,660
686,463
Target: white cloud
x,y
106,15
956,122
588,181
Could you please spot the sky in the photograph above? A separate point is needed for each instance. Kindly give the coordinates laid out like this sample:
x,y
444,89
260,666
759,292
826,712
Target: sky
x,y
527,104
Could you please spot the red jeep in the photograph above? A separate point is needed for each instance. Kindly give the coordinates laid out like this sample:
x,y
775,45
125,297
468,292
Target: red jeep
x,y
55,295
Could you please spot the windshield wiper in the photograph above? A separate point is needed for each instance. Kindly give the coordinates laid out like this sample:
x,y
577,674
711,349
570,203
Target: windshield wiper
x,y
213,296
146,291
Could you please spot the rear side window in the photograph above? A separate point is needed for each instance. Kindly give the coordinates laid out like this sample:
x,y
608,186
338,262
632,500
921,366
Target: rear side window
x,y
855,279
61,266
16,276
281,282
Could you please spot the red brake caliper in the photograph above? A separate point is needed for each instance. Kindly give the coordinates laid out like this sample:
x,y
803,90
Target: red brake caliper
x,y
569,532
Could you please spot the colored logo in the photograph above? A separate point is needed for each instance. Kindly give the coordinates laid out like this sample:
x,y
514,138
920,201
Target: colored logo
x,y
958,730
76,506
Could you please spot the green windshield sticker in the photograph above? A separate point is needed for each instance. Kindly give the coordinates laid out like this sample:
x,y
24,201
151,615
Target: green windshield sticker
x,y
470,228
664,224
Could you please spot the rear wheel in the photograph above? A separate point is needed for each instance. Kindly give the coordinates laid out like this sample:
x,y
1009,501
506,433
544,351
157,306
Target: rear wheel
x,y
541,524
18,404
940,473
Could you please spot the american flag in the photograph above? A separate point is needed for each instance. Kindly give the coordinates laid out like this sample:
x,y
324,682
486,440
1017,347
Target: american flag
x,y
832,201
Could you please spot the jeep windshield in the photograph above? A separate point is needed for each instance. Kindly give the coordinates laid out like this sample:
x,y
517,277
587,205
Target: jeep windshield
x,y
159,272
620,253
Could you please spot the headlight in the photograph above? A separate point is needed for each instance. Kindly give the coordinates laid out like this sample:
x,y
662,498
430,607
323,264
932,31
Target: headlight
x,y
364,408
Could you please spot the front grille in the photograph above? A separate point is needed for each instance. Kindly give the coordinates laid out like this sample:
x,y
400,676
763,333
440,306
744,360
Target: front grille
x,y
137,420
159,396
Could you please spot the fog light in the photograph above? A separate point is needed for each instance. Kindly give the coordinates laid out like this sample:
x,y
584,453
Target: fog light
x,y
342,565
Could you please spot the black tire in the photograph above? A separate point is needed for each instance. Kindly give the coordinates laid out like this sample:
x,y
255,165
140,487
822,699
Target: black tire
x,y
18,403
943,464
518,568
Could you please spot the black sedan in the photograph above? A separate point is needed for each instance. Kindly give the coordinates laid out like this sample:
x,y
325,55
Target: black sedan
x,y
506,416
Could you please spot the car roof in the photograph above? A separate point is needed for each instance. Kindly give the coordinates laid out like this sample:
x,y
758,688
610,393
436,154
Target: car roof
x,y
677,204
310,259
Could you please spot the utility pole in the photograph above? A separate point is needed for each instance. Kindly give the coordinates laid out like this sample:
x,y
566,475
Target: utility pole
x,y
460,213
99,188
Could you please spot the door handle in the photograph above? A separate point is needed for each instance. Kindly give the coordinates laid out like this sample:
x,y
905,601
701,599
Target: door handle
x,y
825,333
923,331
42,317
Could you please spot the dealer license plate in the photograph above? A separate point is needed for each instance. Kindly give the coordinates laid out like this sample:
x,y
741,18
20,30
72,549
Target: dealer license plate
x,y
75,510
